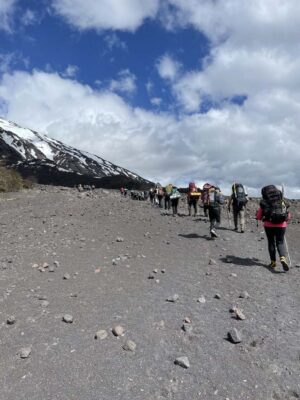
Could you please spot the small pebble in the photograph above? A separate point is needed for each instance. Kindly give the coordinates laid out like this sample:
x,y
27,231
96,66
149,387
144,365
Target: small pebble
x,y
201,300
11,320
102,334
67,318
118,330
173,298
234,336
129,346
182,362
67,276
25,352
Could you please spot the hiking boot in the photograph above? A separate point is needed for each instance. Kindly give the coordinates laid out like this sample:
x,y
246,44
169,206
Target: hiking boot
x,y
242,231
213,234
235,229
272,265
284,263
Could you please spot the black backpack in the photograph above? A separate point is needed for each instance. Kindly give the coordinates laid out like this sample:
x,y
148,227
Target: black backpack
x,y
239,196
273,206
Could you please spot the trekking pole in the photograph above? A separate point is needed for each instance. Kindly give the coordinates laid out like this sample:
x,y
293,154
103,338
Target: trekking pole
x,y
287,249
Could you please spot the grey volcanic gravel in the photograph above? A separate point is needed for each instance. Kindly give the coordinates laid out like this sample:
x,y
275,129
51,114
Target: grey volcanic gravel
x,y
55,226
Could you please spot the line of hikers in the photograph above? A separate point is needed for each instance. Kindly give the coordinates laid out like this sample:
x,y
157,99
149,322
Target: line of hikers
x,y
272,211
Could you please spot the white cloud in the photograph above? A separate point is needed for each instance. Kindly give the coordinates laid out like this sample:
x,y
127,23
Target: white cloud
x,y
112,41
29,17
240,62
167,67
256,144
125,82
156,101
125,15
7,8
71,71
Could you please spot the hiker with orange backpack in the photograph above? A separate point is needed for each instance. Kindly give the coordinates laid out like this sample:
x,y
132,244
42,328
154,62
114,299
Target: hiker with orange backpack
x,y
273,211
193,198
238,201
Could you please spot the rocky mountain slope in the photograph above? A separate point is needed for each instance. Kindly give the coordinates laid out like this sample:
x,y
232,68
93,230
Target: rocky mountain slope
x,y
52,162
91,262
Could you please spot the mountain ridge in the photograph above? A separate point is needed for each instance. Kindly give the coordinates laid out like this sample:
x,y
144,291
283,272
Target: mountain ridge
x,y
51,161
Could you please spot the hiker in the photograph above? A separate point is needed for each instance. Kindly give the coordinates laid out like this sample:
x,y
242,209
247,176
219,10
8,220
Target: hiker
x,y
205,198
275,216
238,200
159,195
168,192
152,195
215,200
193,198
175,196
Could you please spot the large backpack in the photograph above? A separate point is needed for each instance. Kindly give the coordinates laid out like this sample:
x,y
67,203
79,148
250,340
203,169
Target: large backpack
x,y
239,196
169,189
273,206
205,193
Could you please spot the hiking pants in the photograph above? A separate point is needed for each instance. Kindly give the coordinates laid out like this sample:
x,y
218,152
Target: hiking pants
x,y
239,215
214,216
159,197
167,202
193,202
205,209
276,239
174,203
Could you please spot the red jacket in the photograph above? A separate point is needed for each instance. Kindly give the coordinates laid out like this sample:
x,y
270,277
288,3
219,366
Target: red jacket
x,y
268,224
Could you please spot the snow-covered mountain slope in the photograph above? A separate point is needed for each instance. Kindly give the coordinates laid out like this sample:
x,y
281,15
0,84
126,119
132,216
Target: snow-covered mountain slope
x,y
31,152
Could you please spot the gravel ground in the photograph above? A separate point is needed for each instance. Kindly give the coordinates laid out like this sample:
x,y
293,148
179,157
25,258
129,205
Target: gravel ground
x,y
107,248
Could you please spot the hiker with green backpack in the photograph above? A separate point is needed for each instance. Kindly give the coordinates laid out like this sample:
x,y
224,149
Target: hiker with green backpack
x,y
238,201
273,211
168,192
215,200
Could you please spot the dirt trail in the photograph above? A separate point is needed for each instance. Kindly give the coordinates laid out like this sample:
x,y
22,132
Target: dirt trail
x,y
81,233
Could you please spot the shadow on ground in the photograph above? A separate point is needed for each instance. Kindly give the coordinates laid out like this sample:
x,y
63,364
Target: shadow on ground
x,y
247,262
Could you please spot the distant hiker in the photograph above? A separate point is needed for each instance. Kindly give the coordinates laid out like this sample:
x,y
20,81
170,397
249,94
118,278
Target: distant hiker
x,y
175,196
274,213
122,191
168,192
152,195
205,198
159,195
238,200
215,200
80,188
193,198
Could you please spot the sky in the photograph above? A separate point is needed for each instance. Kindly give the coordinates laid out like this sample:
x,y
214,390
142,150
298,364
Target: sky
x,y
174,90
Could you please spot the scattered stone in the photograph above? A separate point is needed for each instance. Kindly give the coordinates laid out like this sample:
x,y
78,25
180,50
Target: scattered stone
x,y
163,271
187,328
233,275
217,296
35,265
67,318
11,320
239,314
114,262
155,271
45,303
102,334
45,265
182,362
42,297
56,264
201,300
157,280
234,336
73,295
51,269
119,239
25,352
129,346
173,298
244,295
118,330
233,309
187,320
67,276
151,276
212,262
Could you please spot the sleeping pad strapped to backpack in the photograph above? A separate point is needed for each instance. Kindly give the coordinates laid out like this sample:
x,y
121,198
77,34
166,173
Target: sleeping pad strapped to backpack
x,y
239,196
273,206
